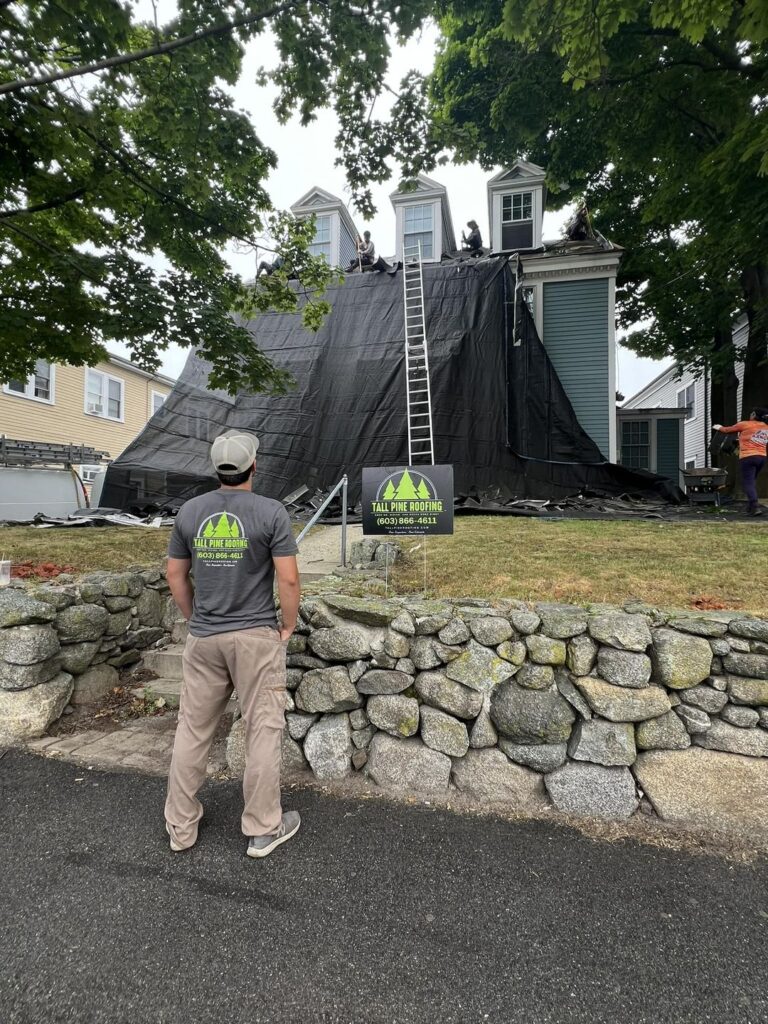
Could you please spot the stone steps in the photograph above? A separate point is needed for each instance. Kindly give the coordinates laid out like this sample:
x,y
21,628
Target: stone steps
x,y
168,689
165,662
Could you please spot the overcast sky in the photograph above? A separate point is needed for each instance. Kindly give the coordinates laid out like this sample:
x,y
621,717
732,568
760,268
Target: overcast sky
x,y
306,158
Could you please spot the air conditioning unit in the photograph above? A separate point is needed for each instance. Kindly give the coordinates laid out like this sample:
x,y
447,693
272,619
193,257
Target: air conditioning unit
x,y
96,409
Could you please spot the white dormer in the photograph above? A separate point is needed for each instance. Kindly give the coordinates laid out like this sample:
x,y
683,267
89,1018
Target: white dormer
x,y
335,231
516,207
424,215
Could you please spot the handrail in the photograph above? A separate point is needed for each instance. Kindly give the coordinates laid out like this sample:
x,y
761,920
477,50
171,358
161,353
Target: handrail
x,y
341,485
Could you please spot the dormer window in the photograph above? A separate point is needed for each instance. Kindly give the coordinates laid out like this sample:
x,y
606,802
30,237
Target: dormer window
x,y
335,232
423,216
517,220
321,245
516,200
418,225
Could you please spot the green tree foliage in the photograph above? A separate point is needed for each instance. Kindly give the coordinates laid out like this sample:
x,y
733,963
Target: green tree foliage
x,y
657,114
125,169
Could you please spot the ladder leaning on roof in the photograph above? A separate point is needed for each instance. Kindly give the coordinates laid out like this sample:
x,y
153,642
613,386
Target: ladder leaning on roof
x,y
418,394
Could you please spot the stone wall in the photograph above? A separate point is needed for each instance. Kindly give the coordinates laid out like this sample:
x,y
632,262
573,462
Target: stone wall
x,y
64,643
586,710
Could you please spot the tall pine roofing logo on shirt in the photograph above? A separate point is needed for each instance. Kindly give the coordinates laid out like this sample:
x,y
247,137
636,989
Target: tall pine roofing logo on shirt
x,y
221,538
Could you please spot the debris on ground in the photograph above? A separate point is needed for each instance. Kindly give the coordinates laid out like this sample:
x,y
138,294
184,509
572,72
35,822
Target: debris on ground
x,y
39,570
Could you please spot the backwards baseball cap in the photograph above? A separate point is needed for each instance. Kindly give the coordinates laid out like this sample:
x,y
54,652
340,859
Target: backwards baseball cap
x,y
234,451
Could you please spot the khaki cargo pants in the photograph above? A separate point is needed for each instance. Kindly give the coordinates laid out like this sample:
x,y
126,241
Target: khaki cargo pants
x,y
252,662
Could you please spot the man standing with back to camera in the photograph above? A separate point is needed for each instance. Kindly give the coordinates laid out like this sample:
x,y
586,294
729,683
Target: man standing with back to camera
x,y
233,542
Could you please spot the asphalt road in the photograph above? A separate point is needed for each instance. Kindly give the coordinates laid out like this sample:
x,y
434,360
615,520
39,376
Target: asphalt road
x,y
374,914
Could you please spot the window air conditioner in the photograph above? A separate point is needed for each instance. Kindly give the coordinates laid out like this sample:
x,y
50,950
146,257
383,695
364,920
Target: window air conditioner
x,y
95,408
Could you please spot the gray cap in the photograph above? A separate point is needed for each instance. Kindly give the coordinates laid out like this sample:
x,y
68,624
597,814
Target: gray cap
x,y
234,451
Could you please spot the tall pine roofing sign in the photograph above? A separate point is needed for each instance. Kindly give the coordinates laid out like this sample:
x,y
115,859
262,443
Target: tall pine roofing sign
x,y
408,500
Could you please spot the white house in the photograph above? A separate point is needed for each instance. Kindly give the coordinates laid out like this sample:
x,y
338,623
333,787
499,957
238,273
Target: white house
x,y
687,391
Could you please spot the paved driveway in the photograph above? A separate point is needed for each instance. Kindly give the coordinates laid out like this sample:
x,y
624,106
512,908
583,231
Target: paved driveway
x,y
375,914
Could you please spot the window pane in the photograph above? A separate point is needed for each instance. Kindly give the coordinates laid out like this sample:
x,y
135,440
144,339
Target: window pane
x,y
321,249
425,237
518,206
418,218
157,401
323,229
114,403
635,447
19,386
42,383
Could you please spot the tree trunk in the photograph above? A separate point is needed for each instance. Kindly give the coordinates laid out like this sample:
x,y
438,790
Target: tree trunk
x,y
723,392
754,281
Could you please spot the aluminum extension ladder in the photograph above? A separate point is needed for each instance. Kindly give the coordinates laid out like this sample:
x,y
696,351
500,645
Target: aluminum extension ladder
x,y
421,447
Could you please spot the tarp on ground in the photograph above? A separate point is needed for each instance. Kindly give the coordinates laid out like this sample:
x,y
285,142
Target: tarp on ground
x,y
500,414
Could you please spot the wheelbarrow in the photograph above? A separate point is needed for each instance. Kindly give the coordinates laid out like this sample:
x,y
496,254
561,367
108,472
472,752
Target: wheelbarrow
x,y
703,485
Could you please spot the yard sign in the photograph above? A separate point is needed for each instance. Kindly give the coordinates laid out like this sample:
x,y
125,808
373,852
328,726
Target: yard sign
x,y
408,500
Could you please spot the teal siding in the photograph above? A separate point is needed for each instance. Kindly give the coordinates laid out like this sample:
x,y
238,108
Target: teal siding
x,y
576,339
668,449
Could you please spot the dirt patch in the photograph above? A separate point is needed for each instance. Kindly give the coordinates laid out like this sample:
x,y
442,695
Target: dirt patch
x,y
39,570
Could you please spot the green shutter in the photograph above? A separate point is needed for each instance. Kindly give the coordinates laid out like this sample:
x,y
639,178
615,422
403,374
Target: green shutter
x,y
668,448
576,333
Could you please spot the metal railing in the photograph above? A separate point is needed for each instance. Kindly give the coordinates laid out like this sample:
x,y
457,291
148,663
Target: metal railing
x,y
340,486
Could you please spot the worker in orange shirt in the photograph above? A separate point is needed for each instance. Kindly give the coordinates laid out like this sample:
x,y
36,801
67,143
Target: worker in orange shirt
x,y
753,438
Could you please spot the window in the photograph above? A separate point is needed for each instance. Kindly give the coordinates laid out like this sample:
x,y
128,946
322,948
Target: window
x,y
635,444
321,246
38,386
88,473
157,400
104,395
686,399
418,227
518,206
690,464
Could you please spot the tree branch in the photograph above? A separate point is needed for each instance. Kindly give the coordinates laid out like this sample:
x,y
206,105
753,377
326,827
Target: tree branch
x,y
150,51
50,205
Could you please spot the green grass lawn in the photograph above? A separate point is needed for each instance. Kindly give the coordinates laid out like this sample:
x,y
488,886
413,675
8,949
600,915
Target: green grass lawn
x,y
669,564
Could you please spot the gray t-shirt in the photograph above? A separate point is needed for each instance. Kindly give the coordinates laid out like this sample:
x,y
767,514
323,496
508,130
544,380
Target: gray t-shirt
x,y
231,538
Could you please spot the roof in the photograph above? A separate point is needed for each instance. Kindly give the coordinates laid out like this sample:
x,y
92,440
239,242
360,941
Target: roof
x,y
519,171
655,410
317,200
126,364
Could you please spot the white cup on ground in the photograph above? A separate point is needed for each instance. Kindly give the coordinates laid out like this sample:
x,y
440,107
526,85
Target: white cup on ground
x,y
5,572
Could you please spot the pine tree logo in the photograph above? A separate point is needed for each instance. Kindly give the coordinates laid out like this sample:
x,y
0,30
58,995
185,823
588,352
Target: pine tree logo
x,y
222,528
218,529
406,490
389,491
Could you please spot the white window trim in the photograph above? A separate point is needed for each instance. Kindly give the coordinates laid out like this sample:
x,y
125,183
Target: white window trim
x,y
156,394
695,416
437,227
99,415
31,386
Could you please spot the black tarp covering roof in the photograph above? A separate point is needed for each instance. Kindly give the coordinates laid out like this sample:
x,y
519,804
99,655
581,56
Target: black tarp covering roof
x,y
500,414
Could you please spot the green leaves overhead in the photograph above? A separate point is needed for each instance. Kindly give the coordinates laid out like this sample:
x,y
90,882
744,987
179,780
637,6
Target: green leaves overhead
x,y
655,112
120,189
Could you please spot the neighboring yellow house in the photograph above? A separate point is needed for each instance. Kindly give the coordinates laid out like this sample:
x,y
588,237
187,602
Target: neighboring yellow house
x,y
104,406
